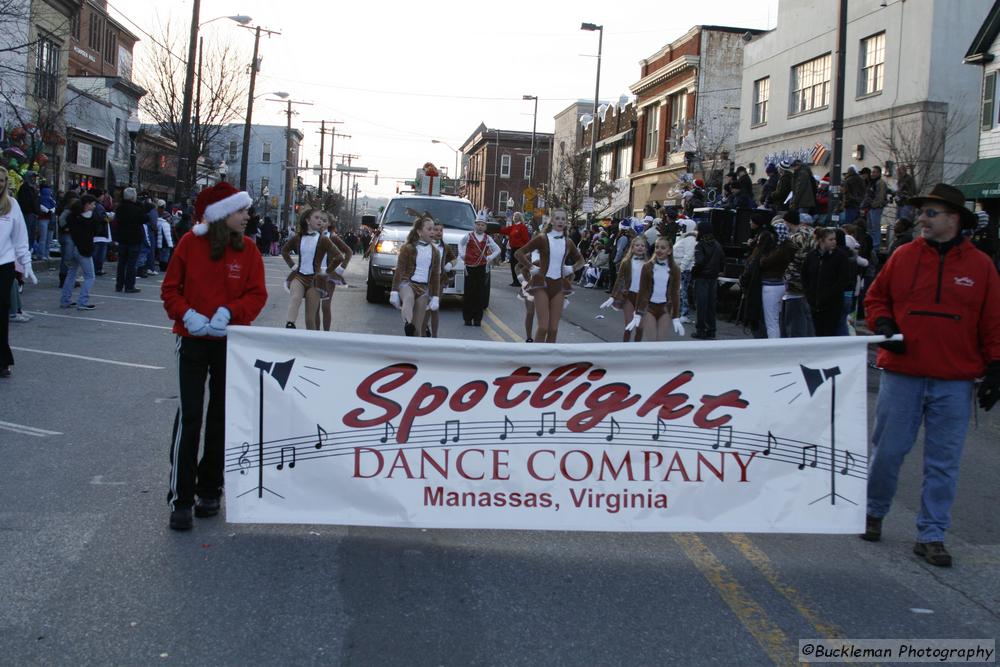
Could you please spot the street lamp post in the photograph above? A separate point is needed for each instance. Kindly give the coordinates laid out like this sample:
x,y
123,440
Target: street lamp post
x,y
133,125
254,66
443,143
593,127
534,124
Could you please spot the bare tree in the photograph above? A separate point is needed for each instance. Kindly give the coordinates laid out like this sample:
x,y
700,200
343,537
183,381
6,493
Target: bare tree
x,y
570,186
918,141
223,85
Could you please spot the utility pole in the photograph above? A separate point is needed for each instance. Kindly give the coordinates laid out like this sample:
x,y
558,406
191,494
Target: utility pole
x,y
348,157
182,187
291,169
333,137
836,191
254,66
593,123
322,137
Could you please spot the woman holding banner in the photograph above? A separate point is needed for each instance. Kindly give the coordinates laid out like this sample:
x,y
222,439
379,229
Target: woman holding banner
x,y
417,281
215,278
546,283
658,302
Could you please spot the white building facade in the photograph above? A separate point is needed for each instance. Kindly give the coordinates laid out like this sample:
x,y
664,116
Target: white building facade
x,y
906,92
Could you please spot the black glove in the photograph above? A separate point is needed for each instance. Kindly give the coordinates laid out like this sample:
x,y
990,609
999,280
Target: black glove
x,y
989,388
886,326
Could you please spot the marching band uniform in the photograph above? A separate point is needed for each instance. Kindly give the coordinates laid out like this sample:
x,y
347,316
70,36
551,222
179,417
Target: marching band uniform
x,y
416,283
307,279
477,251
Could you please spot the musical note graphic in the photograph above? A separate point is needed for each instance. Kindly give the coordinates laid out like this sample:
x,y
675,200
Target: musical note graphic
x,y
659,423
552,429
770,439
281,466
388,427
614,428
244,461
320,435
814,461
848,460
718,436
458,430
507,423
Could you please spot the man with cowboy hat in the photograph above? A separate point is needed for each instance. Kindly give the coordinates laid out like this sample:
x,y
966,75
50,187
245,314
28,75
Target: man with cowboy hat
x,y
943,295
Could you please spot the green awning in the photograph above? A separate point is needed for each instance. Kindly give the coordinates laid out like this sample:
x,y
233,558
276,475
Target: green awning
x,y
981,180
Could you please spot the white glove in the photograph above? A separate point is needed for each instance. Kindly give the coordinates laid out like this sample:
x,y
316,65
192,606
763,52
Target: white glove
x,y
394,300
434,304
678,327
534,270
634,323
339,270
29,274
219,322
607,304
448,268
567,270
195,323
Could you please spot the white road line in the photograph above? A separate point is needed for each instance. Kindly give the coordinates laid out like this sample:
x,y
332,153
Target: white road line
x,y
27,430
94,319
125,298
80,356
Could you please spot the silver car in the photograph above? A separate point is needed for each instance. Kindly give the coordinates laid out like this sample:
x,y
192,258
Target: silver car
x,y
456,214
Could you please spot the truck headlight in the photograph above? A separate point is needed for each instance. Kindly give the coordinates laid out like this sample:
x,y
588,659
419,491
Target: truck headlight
x,y
388,247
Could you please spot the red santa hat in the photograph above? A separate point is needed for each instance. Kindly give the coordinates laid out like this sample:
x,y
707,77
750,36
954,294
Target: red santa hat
x,y
217,203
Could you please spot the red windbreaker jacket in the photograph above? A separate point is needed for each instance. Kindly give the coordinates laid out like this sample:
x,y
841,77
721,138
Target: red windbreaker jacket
x,y
517,234
947,307
193,280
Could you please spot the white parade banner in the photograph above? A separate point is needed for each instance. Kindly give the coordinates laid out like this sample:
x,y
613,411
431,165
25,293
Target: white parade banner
x,y
744,435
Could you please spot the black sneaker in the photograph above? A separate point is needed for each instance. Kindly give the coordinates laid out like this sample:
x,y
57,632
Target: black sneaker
x,y
468,323
4,371
699,336
206,507
289,325
410,329
180,519
933,552
88,306
529,339
873,529
132,290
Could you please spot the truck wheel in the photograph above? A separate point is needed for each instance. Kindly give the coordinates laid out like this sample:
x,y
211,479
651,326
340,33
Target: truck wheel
x,y
374,293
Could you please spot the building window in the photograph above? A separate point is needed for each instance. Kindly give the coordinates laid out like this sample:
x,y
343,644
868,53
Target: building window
x,y
74,26
98,158
604,163
72,148
652,130
527,167
265,182
232,150
872,77
505,167
761,94
624,162
811,85
989,91
118,133
504,196
266,153
94,32
46,68
678,118
110,45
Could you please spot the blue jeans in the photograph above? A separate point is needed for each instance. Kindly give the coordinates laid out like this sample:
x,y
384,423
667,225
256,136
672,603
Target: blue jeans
x,y
944,408
685,286
74,261
100,254
875,226
41,247
705,292
31,222
850,215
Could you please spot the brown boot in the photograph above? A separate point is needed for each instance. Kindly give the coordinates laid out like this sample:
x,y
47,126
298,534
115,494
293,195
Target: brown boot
x,y
873,529
933,552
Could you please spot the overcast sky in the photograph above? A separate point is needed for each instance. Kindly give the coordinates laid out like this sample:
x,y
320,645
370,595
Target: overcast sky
x,y
402,73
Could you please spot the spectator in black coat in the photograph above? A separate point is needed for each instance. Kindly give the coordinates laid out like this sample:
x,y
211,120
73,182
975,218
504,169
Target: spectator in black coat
x,y
826,275
709,263
130,216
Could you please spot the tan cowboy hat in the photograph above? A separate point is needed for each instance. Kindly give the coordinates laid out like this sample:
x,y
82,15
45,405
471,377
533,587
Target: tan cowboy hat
x,y
953,197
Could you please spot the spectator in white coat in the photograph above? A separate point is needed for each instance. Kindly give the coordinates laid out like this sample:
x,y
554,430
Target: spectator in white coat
x,y
684,256
165,241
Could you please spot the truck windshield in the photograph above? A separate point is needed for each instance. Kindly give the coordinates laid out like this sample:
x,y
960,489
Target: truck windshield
x,y
449,212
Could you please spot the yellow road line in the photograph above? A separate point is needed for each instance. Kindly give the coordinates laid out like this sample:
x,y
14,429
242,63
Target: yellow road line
x,y
488,330
503,327
765,566
753,617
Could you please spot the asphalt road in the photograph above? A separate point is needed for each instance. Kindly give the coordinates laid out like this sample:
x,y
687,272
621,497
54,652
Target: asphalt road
x,y
90,573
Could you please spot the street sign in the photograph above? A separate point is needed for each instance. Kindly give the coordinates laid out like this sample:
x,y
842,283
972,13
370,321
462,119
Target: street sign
x,y
541,202
349,168
529,199
588,204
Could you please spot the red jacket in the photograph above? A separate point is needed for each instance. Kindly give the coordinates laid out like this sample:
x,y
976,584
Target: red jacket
x,y
517,234
947,307
193,280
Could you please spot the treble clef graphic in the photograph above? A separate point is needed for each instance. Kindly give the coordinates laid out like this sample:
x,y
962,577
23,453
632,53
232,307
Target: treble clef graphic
x,y
244,462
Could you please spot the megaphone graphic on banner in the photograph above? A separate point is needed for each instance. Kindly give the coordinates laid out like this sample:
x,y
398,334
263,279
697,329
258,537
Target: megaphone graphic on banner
x,y
279,370
814,377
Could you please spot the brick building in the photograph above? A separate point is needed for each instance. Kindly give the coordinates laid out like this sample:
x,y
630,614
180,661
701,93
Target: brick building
x,y
498,166
615,125
688,99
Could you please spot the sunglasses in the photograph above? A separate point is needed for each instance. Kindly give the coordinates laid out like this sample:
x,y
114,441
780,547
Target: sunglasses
x,y
931,213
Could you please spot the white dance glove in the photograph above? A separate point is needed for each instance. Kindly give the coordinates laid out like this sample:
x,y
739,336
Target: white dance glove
x,y
634,323
29,274
217,325
608,304
339,270
678,327
449,267
567,270
434,304
535,269
394,300
195,323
